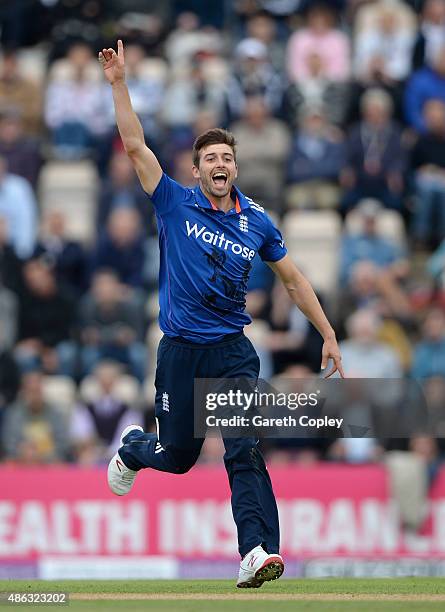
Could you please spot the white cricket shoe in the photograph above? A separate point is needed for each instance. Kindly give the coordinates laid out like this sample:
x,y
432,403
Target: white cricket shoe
x,y
258,567
120,477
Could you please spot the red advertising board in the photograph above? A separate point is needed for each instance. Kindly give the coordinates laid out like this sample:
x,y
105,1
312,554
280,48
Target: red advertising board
x,y
325,510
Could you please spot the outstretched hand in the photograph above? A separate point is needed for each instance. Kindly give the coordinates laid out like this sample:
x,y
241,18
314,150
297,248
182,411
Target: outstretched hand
x,y
331,351
113,63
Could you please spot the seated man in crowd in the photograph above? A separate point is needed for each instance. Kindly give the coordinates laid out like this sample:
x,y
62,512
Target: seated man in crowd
x,y
365,355
20,93
121,189
427,83
22,152
10,263
375,159
46,320
262,149
9,373
34,431
65,256
121,247
76,128
376,288
428,165
18,207
368,245
98,420
429,352
315,161
111,326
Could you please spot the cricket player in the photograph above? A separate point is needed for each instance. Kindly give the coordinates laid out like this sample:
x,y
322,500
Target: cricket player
x,y
208,237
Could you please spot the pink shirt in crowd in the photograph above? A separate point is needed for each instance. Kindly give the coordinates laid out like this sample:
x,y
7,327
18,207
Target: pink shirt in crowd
x,y
332,47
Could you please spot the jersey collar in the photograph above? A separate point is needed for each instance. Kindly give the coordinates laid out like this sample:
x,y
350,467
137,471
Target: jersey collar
x,y
241,202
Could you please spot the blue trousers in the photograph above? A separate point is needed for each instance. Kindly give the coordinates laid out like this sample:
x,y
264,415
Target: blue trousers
x,y
429,211
175,449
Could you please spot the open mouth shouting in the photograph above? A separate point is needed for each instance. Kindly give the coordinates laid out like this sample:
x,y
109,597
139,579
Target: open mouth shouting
x,y
219,179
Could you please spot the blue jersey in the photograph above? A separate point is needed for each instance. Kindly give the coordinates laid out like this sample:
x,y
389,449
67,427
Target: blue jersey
x,y
206,258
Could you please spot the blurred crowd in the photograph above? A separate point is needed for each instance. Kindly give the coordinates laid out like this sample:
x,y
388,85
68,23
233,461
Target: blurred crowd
x,y
338,109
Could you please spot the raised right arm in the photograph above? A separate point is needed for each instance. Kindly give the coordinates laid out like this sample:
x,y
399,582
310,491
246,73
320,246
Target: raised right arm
x,y
144,160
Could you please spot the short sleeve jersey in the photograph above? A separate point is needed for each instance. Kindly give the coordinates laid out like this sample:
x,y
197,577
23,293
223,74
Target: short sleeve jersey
x,y
206,258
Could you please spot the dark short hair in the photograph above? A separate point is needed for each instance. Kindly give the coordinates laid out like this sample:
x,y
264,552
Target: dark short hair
x,y
211,137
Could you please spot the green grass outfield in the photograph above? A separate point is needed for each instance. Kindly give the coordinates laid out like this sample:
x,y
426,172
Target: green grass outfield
x,y
333,595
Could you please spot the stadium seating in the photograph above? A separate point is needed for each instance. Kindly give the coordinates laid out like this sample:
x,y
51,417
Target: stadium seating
x,y
312,238
71,187
389,225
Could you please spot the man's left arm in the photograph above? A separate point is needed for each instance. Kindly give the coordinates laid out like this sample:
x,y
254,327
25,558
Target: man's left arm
x,y
302,294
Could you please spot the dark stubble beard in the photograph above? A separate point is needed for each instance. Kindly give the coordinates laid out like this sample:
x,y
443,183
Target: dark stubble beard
x,y
208,186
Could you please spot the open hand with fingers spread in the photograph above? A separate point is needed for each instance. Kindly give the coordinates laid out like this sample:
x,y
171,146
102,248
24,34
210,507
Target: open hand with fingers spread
x,y
113,63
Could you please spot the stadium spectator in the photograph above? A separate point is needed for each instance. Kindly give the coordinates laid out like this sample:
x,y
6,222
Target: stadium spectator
x,y
375,159
188,38
375,288
429,352
264,28
315,161
428,165
319,38
308,446
8,318
278,10
181,167
368,245
120,189
13,22
19,93
431,35
383,50
293,340
22,152
181,140
66,257
111,324
427,83
364,356
18,207
99,419
46,319
10,264
362,290
193,87
9,375
122,247
262,148
426,448
317,90
212,15
436,267
34,431
356,450
434,391
183,41
74,105
252,75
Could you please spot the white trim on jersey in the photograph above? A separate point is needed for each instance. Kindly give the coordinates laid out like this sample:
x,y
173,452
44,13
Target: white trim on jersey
x,y
254,205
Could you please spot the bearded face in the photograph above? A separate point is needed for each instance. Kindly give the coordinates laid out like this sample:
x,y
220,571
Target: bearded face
x,y
217,170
